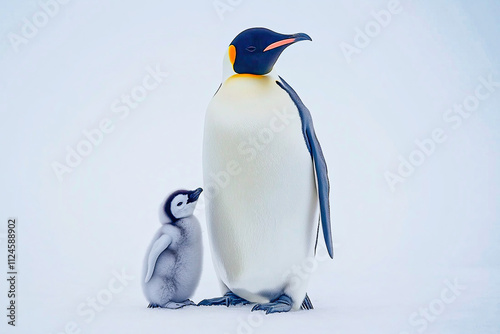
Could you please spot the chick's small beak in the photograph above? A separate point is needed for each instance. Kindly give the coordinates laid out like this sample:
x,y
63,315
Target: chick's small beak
x,y
289,40
194,195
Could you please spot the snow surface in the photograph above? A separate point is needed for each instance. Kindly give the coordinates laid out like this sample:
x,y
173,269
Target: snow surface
x,y
396,252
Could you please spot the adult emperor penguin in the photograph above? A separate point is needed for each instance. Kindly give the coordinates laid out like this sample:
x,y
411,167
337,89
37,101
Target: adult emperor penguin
x,y
264,174
172,267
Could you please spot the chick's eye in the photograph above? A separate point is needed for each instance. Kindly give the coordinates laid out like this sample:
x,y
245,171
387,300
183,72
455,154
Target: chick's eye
x,y
251,48
179,204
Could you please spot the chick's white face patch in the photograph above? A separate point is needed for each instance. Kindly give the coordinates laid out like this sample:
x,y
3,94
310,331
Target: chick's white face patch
x,y
180,207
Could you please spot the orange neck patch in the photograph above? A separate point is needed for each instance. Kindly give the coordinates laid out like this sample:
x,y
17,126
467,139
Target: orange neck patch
x,y
247,75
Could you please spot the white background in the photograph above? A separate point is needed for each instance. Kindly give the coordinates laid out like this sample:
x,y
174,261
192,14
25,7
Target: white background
x,y
394,249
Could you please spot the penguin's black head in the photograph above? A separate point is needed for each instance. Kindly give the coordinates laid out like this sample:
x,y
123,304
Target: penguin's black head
x,y
181,204
256,50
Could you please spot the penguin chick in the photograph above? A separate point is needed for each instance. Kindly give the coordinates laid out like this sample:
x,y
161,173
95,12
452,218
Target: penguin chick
x,y
173,262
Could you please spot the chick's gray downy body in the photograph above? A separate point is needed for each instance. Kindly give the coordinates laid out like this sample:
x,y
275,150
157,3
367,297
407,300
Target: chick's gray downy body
x,y
172,267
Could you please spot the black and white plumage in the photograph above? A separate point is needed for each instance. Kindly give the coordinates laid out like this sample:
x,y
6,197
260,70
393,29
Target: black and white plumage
x,y
173,262
265,221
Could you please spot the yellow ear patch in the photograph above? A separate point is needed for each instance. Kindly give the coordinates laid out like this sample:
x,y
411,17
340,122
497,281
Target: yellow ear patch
x,y
232,53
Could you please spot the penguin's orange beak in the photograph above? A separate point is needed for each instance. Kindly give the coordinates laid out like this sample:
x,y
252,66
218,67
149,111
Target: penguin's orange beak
x,y
287,41
279,43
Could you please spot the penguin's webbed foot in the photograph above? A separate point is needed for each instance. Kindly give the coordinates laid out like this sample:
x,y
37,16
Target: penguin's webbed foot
x,y
173,305
229,299
177,305
281,304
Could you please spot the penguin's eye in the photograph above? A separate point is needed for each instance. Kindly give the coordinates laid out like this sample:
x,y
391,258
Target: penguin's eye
x,y
179,204
251,48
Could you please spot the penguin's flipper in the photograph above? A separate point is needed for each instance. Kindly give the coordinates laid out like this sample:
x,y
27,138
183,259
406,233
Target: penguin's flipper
x,y
320,167
158,247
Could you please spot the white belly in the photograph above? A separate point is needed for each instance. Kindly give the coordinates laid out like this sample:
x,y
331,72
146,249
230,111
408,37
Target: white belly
x,y
259,186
